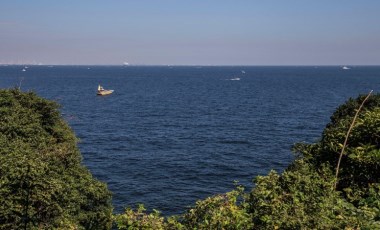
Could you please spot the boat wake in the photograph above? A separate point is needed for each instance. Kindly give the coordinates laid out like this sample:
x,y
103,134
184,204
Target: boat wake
x,y
234,79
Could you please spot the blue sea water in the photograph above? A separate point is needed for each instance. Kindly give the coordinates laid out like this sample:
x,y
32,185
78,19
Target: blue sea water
x,y
169,136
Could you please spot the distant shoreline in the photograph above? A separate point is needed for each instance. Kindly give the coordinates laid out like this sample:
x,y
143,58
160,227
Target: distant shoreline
x,y
114,65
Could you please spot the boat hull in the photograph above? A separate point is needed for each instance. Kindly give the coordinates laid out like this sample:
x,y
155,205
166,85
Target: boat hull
x,y
104,92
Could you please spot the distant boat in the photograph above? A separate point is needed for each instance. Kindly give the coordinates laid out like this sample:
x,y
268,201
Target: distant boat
x,y
103,92
345,67
23,70
235,79
243,72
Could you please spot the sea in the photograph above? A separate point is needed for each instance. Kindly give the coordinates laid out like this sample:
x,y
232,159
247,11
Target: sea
x,y
171,135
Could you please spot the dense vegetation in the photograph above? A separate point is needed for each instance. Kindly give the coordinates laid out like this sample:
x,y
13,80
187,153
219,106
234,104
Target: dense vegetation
x,y
42,182
43,185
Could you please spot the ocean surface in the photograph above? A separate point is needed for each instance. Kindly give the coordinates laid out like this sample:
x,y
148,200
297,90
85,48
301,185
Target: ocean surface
x,y
171,135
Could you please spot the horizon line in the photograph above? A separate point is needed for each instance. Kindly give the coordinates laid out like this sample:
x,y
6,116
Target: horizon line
x,y
192,65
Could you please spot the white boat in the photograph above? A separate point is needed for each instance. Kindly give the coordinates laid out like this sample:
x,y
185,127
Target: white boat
x,y
103,92
23,70
235,79
345,67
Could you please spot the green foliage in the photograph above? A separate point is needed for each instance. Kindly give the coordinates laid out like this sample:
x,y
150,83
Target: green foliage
x,y
218,212
139,219
42,182
348,109
302,198
359,176
361,162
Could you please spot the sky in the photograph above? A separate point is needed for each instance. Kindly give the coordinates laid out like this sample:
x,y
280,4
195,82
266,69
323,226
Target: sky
x,y
197,32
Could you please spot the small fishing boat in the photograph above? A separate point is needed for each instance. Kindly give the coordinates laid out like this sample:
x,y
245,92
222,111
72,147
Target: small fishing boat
x,y
345,67
103,92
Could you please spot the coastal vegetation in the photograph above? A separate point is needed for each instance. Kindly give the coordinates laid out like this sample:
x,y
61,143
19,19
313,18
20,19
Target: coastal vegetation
x,y
43,184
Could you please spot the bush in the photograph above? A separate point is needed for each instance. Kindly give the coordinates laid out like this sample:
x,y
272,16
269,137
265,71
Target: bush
x,y
139,219
302,198
217,212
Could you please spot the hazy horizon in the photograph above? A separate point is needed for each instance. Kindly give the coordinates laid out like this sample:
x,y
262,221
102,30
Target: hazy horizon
x,y
197,33
185,65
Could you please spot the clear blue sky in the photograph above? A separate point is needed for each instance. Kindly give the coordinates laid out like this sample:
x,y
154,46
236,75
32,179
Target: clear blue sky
x,y
197,32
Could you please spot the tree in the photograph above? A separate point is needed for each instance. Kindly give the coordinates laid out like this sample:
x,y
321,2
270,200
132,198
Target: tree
x,y
361,162
303,196
42,181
